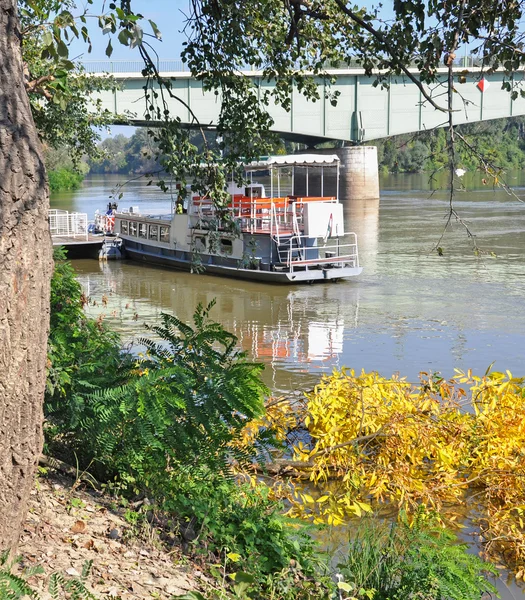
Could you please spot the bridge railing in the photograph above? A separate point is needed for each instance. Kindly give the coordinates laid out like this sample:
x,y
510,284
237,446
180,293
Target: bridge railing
x,y
65,224
132,66
177,66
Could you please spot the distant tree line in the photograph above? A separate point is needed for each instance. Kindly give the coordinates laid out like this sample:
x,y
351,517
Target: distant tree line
x,y
124,155
501,141
138,154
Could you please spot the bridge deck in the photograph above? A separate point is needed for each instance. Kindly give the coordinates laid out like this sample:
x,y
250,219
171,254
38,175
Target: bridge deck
x,y
364,112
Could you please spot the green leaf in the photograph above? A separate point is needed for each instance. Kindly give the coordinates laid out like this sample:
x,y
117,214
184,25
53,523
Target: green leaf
x,y
242,577
68,65
156,31
47,38
109,49
346,587
62,49
124,37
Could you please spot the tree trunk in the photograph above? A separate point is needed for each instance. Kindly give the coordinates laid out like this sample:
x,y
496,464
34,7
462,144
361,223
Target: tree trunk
x,y
25,268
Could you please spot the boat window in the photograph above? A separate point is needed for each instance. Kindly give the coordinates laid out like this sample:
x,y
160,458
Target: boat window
x,y
165,234
123,227
226,246
143,230
132,228
153,232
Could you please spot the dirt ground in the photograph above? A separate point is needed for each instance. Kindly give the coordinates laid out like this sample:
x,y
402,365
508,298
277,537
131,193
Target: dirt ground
x,y
67,526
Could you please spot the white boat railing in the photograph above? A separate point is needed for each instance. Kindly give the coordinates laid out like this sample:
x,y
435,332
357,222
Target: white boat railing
x,y
65,224
335,255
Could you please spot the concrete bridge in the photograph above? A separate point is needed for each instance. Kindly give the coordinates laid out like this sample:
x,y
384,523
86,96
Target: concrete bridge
x,y
363,112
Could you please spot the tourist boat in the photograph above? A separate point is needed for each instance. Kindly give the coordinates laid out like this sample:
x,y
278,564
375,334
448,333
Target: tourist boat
x,y
284,235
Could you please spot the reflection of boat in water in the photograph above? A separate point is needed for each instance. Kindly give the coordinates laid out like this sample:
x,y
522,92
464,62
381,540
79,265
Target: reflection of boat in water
x,y
280,237
298,332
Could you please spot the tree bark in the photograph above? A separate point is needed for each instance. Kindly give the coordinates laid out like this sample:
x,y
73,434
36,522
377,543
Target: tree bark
x,y
25,268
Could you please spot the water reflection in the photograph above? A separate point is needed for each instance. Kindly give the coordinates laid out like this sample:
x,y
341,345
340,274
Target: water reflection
x,y
297,332
362,217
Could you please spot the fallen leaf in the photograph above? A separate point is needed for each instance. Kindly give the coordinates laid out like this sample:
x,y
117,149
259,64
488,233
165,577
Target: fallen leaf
x,y
78,527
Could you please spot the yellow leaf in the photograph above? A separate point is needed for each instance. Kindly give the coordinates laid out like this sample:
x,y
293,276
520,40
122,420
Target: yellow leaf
x,y
233,557
364,507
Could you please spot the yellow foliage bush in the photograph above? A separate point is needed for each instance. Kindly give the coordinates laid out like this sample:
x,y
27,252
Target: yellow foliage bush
x,y
378,440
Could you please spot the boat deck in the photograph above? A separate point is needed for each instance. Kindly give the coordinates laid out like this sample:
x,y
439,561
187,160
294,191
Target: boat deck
x,y
320,261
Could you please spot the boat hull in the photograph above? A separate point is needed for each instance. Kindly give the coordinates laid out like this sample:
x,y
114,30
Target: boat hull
x,y
182,263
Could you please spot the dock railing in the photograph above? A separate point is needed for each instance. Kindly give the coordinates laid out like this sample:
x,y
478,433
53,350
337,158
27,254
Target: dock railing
x,y
65,224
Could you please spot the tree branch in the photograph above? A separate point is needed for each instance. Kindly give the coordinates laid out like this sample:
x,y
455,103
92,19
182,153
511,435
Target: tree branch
x,y
35,86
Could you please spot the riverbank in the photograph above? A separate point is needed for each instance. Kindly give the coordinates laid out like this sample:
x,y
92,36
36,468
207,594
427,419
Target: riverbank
x,y
177,431
70,524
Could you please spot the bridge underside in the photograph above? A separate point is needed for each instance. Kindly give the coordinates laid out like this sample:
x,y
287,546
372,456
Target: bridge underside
x,y
363,112
309,140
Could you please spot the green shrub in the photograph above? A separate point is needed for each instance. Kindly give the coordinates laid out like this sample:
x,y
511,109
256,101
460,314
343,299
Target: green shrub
x,y
245,530
412,560
181,404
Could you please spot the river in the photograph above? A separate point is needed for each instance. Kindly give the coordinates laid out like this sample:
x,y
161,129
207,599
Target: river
x,y
410,311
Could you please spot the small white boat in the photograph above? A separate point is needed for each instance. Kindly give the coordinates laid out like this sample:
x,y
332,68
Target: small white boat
x,y
290,235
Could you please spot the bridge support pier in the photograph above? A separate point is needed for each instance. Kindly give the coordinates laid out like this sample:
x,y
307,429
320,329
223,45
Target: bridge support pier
x,y
359,174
